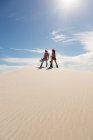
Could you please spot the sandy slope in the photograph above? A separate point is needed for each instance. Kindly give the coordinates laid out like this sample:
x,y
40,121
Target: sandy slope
x,y
46,105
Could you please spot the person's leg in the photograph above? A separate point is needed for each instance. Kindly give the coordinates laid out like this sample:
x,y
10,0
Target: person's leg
x,y
56,63
46,63
51,63
42,62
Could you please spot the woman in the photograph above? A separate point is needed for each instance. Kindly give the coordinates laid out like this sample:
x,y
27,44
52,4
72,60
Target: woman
x,y
45,58
53,58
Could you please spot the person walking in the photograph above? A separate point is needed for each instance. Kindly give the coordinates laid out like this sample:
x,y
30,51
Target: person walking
x,y
45,58
53,58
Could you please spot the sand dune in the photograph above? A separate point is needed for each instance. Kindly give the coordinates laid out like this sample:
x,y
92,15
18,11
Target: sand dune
x,y
46,105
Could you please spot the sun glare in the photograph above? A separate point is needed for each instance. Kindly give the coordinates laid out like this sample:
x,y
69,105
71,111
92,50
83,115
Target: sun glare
x,y
67,5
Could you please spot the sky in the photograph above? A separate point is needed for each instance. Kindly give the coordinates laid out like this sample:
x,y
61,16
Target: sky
x,y
28,27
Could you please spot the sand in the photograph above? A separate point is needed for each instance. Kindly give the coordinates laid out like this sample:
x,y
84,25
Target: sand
x,y
40,104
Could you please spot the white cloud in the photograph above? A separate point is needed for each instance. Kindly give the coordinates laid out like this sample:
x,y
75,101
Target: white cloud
x,y
79,62
69,40
83,61
29,50
39,51
25,61
54,32
25,50
57,36
16,63
86,39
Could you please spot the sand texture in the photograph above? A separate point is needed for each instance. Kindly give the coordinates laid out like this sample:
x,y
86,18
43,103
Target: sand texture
x,y
40,104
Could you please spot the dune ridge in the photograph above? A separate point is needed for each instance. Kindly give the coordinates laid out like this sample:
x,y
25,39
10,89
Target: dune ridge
x,y
39,104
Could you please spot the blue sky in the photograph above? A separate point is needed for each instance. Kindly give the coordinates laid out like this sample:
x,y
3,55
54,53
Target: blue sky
x,y
27,27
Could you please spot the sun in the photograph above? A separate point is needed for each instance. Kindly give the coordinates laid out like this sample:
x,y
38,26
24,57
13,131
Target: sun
x,y
69,2
67,5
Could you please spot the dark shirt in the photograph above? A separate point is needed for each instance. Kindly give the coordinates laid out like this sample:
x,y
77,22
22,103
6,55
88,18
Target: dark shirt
x,y
46,55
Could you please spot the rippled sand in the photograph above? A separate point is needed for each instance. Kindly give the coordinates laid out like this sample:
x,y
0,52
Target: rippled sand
x,y
46,105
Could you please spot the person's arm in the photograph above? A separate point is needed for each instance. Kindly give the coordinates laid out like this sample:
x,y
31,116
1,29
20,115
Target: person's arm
x,y
48,56
44,55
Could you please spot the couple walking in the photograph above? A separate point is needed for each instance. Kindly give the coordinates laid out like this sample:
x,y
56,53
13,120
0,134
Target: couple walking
x,y
46,58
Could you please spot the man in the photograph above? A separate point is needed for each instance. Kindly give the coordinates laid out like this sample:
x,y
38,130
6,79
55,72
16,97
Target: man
x,y
45,58
53,58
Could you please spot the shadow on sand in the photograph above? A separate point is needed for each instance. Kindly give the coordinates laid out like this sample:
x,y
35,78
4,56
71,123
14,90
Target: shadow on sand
x,y
49,68
40,67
